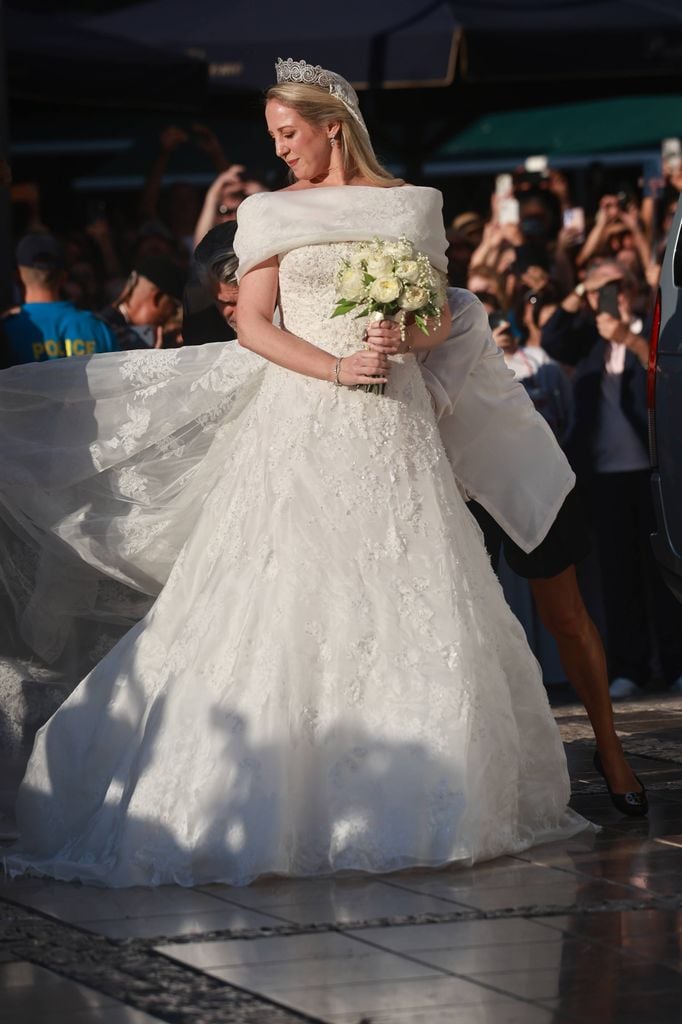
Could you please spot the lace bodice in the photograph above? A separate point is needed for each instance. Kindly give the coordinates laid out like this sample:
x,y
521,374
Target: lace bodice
x,y
346,416
307,296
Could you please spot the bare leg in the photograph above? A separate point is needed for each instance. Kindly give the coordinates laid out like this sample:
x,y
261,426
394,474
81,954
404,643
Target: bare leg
x,y
563,613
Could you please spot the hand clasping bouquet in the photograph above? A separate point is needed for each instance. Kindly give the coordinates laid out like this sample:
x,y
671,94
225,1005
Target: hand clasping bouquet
x,y
388,280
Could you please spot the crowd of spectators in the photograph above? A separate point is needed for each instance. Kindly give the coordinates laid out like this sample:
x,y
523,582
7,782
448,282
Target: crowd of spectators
x,y
136,273
570,294
568,290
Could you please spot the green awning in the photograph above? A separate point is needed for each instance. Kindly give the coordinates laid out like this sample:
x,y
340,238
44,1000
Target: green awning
x,y
628,122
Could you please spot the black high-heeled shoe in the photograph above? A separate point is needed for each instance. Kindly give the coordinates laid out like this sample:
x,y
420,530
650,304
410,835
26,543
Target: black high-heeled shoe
x,y
634,805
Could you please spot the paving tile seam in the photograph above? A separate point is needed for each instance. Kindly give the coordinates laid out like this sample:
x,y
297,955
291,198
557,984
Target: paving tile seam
x,y
270,911
470,979
135,974
635,744
132,972
447,972
221,901
570,874
598,789
653,901
126,966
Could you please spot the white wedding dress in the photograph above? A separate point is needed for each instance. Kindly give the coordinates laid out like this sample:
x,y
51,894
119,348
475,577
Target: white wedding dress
x,y
330,678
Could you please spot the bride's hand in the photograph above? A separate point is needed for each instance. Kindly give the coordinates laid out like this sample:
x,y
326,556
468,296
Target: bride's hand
x,y
384,336
364,367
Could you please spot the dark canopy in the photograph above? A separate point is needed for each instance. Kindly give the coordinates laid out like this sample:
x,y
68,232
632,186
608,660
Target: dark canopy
x,y
403,42
52,58
525,39
413,42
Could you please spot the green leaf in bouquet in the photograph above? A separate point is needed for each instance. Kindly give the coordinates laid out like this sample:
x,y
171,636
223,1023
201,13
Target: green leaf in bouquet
x,y
421,323
363,312
343,307
367,278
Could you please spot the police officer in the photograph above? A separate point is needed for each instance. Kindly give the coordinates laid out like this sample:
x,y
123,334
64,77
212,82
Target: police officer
x,y
46,326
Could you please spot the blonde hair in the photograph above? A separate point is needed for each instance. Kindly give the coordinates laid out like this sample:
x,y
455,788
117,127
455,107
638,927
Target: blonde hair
x,y
322,108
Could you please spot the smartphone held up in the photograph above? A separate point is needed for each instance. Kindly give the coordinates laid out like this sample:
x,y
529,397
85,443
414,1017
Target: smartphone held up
x,y
507,204
574,221
671,156
608,299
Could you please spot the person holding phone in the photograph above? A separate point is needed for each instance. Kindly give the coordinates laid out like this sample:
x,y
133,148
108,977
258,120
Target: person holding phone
x,y
611,300
223,197
595,331
616,221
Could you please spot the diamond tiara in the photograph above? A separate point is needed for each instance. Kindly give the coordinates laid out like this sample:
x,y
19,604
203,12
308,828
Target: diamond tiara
x,y
299,71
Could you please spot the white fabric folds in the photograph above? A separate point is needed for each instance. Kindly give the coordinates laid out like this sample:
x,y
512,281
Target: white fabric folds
x,y
104,465
500,448
274,223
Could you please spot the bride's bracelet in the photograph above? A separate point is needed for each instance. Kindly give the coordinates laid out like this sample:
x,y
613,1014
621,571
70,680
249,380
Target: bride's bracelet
x,y
337,371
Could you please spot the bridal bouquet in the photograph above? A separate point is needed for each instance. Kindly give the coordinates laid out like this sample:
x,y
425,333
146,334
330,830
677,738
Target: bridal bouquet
x,y
388,280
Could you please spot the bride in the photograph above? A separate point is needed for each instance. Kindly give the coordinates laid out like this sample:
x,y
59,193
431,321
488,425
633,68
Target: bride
x,y
329,678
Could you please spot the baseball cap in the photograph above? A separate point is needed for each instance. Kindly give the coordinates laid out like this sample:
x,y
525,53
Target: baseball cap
x,y
467,223
40,251
167,275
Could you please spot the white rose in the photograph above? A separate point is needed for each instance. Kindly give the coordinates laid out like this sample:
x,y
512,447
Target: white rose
x,y
413,298
385,289
352,285
408,270
379,265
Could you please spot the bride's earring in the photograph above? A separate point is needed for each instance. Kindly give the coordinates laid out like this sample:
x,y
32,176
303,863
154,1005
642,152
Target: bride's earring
x,y
332,140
